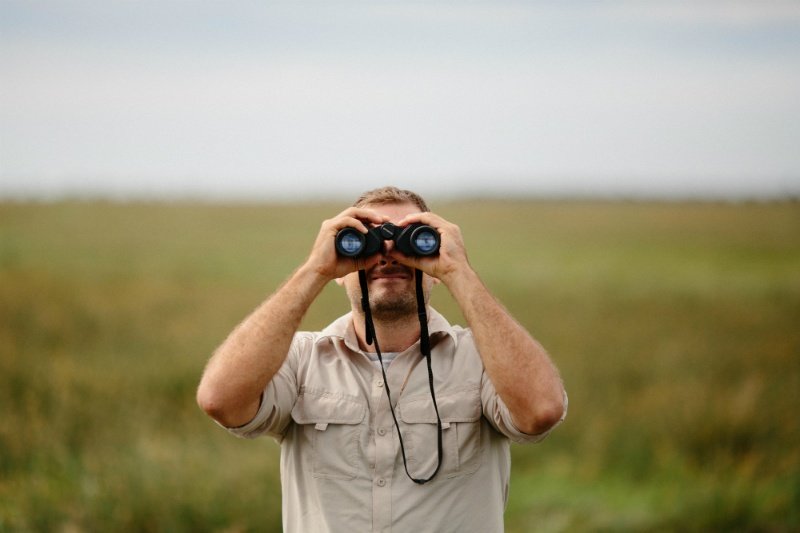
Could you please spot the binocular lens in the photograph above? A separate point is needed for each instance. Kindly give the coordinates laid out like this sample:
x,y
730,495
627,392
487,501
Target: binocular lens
x,y
425,242
349,242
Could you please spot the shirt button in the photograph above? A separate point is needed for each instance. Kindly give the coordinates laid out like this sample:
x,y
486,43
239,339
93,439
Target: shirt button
x,y
379,383
381,431
381,482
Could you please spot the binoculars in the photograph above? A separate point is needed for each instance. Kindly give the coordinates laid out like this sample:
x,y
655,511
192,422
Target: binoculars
x,y
414,239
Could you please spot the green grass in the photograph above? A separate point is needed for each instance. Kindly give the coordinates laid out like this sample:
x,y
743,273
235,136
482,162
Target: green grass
x,y
675,326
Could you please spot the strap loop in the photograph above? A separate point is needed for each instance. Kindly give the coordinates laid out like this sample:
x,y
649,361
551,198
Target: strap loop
x,y
425,348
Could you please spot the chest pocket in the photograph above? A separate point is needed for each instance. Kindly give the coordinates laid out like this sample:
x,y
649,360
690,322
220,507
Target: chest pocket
x,y
330,425
460,412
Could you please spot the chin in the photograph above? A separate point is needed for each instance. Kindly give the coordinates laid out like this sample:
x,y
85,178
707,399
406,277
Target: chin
x,y
388,308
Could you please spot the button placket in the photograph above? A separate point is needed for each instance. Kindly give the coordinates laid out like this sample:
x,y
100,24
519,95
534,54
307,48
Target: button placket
x,y
383,438
384,456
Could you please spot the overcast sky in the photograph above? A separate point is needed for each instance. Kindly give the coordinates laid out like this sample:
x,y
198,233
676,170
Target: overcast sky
x,y
285,100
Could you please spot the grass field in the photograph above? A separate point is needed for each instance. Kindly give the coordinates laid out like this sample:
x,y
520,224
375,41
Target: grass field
x,y
676,327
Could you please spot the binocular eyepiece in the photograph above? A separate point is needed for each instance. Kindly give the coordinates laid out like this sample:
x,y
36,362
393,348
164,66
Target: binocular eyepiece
x,y
414,239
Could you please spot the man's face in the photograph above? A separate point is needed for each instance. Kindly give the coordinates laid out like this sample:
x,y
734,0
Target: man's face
x,y
392,293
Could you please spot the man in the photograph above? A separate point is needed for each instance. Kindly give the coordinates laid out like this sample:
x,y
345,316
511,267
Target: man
x,y
323,397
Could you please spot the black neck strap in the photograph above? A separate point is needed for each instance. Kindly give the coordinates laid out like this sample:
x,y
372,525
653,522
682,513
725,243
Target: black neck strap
x,y
424,338
425,348
369,325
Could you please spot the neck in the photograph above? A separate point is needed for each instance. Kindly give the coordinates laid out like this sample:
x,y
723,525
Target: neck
x,y
393,336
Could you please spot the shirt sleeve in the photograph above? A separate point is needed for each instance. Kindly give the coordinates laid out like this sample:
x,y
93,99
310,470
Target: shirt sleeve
x,y
279,396
495,410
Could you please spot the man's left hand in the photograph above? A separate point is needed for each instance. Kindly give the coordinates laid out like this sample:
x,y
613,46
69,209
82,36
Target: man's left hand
x,y
452,257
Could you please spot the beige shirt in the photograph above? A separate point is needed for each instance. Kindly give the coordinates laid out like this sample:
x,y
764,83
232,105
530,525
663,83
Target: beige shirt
x,y
341,467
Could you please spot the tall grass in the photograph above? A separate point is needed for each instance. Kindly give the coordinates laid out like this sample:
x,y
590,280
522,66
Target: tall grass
x,y
675,327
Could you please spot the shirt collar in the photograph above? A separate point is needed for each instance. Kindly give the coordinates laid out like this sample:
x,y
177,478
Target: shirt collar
x,y
342,328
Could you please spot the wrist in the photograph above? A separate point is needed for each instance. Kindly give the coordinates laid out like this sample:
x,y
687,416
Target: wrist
x,y
312,276
461,278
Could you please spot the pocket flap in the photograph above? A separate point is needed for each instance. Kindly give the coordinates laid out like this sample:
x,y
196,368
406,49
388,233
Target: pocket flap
x,y
327,408
460,406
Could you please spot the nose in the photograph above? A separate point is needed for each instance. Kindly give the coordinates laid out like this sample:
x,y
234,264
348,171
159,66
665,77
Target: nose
x,y
386,253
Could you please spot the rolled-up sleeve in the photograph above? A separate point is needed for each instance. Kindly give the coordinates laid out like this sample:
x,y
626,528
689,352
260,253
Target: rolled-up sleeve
x,y
278,398
498,415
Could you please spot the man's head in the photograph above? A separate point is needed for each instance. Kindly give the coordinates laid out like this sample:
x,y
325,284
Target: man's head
x,y
391,284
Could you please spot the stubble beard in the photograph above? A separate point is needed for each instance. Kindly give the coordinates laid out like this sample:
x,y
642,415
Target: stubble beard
x,y
396,307
387,304
390,302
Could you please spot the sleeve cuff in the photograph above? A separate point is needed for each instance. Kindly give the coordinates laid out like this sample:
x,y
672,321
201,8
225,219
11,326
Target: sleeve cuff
x,y
520,437
253,428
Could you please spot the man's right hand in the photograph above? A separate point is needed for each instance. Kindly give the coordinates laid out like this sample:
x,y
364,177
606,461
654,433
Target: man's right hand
x,y
240,369
323,258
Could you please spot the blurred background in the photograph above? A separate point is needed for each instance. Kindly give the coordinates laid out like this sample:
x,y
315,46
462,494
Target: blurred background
x,y
625,173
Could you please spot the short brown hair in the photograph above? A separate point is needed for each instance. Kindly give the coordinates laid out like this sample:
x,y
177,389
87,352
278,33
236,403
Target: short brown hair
x,y
391,195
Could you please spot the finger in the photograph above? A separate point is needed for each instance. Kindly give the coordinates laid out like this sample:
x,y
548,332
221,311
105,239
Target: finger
x,y
425,218
351,222
347,221
364,213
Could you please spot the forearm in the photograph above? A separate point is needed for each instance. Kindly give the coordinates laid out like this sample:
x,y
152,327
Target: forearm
x,y
247,360
519,368
253,353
